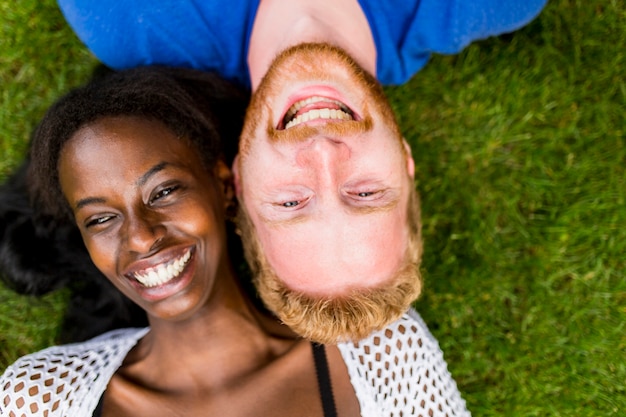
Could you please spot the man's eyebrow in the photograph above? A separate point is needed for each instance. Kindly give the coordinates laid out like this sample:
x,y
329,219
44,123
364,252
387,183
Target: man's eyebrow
x,y
377,208
145,177
299,218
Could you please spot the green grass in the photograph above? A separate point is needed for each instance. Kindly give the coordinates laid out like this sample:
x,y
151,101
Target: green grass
x,y
520,150
39,59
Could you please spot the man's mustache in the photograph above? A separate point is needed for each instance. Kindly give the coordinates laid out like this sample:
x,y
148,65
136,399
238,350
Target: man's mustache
x,y
332,129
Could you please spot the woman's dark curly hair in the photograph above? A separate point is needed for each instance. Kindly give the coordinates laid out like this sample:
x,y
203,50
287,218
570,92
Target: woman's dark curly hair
x,y
198,106
41,249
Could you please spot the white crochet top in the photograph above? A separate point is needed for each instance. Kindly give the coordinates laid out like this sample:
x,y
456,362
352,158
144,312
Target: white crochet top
x,y
399,371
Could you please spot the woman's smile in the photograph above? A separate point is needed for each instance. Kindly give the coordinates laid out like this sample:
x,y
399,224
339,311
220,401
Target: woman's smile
x,y
162,273
165,279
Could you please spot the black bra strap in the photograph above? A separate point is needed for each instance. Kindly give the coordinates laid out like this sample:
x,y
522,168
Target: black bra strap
x,y
323,380
98,411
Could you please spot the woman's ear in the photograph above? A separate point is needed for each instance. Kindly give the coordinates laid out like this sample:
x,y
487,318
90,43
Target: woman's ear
x,y
236,178
225,178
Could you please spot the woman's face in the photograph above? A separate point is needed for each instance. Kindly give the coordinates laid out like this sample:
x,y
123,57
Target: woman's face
x,y
150,214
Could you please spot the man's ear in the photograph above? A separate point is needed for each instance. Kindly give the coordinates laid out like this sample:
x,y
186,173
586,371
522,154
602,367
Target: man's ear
x,y
410,164
236,177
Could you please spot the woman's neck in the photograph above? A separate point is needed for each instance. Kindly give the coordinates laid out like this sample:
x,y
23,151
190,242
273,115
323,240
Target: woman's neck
x,y
227,333
281,24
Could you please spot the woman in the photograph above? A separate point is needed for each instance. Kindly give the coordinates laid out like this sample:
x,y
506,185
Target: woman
x,y
135,160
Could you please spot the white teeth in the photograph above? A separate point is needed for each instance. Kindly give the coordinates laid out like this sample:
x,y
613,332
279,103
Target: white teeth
x,y
315,99
325,113
163,273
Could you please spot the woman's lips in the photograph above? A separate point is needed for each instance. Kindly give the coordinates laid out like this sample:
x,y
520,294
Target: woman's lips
x,y
162,273
158,282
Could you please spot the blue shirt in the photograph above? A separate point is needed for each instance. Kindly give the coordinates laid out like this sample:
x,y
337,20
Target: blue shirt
x,y
214,36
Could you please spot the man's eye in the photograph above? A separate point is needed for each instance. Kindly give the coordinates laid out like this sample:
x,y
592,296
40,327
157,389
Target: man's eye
x,y
368,195
285,202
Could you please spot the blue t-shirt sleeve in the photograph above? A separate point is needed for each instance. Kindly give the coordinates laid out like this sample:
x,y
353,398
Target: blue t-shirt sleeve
x,y
408,32
449,26
203,35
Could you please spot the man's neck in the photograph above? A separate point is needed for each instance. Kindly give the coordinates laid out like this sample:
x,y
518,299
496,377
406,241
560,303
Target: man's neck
x,y
281,24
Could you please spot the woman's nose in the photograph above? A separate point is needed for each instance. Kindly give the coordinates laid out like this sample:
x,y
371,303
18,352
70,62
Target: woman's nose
x,y
143,233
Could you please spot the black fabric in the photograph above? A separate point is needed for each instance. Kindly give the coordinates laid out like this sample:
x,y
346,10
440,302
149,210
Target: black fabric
x,y
323,380
98,411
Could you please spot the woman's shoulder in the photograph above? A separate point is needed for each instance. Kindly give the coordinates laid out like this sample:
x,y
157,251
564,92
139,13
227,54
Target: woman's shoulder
x,y
65,378
400,368
409,332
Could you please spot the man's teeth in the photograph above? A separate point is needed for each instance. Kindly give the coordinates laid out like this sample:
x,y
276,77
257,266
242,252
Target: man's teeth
x,y
163,273
318,114
315,99
336,110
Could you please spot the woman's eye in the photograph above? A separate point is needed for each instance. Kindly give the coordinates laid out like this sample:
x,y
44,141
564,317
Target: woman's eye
x,y
365,193
289,204
98,221
163,193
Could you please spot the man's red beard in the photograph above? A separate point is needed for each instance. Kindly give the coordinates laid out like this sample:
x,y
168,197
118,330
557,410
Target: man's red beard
x,y
348,317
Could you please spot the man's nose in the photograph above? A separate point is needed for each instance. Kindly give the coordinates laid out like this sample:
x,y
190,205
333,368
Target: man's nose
x,y
143,232
323,154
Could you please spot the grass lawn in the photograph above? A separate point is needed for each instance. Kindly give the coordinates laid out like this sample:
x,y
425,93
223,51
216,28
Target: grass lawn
x,y
520,150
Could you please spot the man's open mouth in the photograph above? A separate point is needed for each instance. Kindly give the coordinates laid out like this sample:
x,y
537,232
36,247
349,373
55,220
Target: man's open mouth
x,y
315,108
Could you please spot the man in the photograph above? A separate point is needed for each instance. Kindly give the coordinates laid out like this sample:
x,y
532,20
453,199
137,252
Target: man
x,y
325,183
329,212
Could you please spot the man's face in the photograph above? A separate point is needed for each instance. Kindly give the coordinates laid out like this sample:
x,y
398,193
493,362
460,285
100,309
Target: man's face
x,y
324,174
